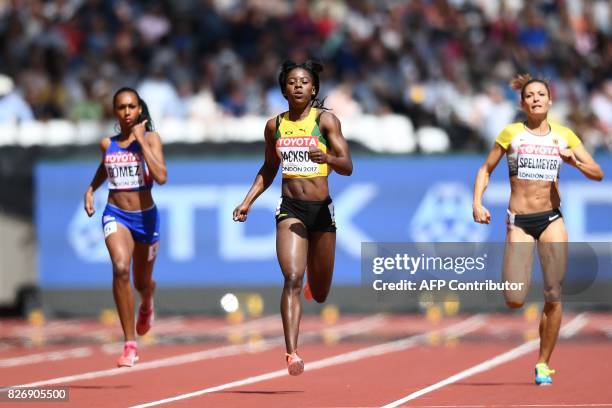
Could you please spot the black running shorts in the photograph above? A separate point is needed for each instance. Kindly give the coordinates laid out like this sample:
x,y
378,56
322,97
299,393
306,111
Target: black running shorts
x,y
316,215
534,224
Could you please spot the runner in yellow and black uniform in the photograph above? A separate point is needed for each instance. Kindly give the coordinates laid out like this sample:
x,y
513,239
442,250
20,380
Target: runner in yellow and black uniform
x,y
535,150
307,143
294,140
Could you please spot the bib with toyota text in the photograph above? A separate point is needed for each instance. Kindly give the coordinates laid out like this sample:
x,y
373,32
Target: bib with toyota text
x,y
293,141
534,157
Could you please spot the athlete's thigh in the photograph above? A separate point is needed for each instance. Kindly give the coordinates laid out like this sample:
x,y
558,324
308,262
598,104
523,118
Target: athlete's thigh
x,y
518,261
321,255
292,247
555,232
552,249
119,242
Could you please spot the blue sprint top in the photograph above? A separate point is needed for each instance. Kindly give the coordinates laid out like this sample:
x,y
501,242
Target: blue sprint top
x,y
126,167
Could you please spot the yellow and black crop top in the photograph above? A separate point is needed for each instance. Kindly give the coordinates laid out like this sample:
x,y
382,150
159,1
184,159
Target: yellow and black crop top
x,y
293,141
533,157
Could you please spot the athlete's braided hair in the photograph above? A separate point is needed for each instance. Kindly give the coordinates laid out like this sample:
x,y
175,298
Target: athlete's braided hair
x,y
145,109
520,82
313,68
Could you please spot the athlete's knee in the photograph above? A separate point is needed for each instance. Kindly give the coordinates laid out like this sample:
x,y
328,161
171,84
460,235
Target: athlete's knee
x,y
514,304
294,281
514,300
121,270
552,294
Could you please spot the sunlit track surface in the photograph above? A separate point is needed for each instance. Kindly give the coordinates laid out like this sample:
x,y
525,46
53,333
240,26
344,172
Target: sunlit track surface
x,y
351,360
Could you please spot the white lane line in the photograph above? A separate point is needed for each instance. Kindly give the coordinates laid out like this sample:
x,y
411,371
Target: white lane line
x,y
513,406
166,324
455,330
78,352
344,330
572,328
89,329
259,325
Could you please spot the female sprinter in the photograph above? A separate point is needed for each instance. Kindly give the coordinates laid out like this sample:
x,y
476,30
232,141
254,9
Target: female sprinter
x,y
130,161
307,142
535,149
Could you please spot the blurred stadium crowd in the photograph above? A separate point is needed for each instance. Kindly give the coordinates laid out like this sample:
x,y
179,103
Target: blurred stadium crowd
x,y
440,63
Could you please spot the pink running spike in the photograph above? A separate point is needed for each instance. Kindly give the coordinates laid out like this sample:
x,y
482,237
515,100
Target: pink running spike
x,y
129,356
295,365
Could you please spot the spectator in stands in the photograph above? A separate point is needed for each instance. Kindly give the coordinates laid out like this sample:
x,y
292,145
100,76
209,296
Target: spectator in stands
x,y
89,107
161,94
601,105
396,53
13,107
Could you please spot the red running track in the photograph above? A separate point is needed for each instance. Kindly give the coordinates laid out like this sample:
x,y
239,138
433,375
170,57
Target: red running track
x,y
358,361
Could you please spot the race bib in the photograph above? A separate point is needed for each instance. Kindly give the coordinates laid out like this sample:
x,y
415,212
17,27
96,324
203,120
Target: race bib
x,y
124,170
293,152
538,162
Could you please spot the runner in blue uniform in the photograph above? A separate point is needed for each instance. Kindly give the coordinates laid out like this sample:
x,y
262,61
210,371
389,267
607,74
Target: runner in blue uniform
x,y
131,162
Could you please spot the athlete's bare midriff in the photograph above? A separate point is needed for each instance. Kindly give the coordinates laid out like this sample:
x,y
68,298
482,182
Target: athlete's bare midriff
x,y
529,196
131,200
307,189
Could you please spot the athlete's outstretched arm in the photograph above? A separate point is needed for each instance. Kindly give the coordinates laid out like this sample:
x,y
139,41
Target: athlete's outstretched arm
x,y
338,156
97,180
152,152
265,175
480,213
580,158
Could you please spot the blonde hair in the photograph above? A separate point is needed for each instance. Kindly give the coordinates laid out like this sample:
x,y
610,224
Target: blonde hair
x,y
520,82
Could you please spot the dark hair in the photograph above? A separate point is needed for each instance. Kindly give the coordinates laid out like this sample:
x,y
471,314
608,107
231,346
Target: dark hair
x,y
313,68
521,81
145,109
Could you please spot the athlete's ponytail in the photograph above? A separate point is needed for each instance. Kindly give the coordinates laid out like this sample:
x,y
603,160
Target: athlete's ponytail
x,y
520,82
145,115
143,105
